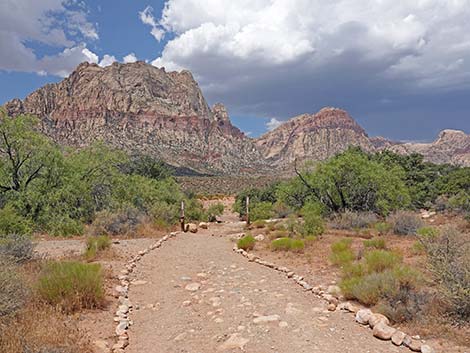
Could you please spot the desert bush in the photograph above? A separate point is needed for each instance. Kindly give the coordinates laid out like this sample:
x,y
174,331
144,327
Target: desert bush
x,y
281,244
123,222
281,210
427,232
376,243
16,248
213,211
63,226
341,252
353,220
261,210
381,260
297,245
247,242
449,259
11,222
405,223
13,290
279,234
164,214
404,304
382,228
259,224
313,222
94,245
71,285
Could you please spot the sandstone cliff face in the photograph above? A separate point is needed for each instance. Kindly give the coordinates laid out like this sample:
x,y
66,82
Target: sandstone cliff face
x,y
451,146
313,137
140,108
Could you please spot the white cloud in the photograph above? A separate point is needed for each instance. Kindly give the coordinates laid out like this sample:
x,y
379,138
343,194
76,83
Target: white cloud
x,y
262,55
129,58
107,60
147,18
273,124
57,23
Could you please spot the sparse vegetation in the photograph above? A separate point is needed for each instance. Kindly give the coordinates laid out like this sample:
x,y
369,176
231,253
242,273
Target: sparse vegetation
x,y
376,243
286,244
213,211
341,252
449,259
16,248
353,220
13,289
247,242
405,223
71,285
313,224
95,245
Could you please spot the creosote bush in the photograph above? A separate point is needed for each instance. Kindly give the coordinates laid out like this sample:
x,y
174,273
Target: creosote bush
x,y
382,228
312,220
213,211
261,210
247,242
71,285
405,223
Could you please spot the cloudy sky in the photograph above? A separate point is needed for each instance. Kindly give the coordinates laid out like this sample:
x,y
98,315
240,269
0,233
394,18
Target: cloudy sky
x,y
401,68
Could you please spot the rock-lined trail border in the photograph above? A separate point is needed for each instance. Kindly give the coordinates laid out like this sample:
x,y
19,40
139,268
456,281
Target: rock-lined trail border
x,y
121,291
379,323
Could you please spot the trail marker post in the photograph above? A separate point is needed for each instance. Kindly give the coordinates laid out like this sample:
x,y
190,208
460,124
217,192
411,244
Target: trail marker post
x,y
248,210
182,216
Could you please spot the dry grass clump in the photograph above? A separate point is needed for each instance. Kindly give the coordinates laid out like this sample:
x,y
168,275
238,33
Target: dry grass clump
x,y
405,223
449,259
96,245
13,289
41,329
353,220
17,248
71,286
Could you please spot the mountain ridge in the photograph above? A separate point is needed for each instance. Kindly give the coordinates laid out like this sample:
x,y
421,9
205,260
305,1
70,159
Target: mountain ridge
x,y
140,108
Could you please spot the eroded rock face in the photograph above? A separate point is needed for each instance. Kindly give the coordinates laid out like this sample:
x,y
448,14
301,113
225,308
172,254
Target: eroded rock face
x,y
313,137
140,108
451,146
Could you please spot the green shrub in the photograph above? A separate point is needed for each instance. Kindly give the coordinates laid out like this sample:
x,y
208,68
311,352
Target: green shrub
x,y
341,252
427,232
405,223
417,248
281,244
376,243
247,242
261,210
382,228
95,245
297,245
310,239
381,260
71,285
13,290
64,226
259,224
313,221
353,220
16,248
11,222
213,211
279,234
449,259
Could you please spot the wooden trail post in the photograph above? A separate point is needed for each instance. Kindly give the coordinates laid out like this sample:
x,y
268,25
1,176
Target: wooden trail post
x,y
182,217
248,210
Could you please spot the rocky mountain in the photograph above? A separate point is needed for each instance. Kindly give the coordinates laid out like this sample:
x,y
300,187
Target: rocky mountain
x,y
313,137
140,108
451,146
143,109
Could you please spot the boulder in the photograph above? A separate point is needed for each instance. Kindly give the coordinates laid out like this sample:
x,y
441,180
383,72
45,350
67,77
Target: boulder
x,y
363,316
412,344
203,225
192,227
383,331
426,349
398,337
377,318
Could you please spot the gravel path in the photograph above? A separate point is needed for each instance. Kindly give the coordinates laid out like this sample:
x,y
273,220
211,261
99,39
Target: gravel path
x,y
195,294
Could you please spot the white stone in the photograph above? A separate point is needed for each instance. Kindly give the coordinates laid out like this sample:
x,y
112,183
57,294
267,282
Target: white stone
x,y
363,316
193,287
266,319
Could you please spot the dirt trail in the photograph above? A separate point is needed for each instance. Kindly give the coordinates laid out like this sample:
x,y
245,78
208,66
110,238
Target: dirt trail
x,y
196,295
